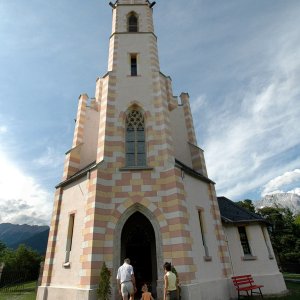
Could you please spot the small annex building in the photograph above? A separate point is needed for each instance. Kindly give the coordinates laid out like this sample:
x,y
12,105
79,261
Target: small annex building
x,y
249,245
135,185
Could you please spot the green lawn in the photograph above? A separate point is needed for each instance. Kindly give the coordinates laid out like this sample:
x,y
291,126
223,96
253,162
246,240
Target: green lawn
x,y
294,294
291,276
28,293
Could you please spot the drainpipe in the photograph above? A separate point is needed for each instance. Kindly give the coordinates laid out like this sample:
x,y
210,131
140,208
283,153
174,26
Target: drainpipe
x,y
231,263
1,269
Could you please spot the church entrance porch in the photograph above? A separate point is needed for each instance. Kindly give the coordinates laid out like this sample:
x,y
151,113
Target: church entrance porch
x,y
138,244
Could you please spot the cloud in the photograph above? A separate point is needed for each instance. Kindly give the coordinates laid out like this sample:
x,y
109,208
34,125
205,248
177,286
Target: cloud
x,y
51,158
198,103
254,142
3,129
288,178
250,133
295,191
22,199
17,211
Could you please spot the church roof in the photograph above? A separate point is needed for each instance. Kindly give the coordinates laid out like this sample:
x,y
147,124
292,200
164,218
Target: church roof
x,y
233,213
77,175
91,166
192,172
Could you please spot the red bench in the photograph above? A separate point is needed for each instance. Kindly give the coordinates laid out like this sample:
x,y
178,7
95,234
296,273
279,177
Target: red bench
x,y
245,283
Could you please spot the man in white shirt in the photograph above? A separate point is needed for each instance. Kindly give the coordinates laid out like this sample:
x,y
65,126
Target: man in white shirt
x,y
126,280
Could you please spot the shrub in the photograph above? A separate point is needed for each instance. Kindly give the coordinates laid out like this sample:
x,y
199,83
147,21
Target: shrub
x,y
104,289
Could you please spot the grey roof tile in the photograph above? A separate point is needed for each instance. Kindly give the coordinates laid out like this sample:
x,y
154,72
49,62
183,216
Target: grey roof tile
x,y
233,213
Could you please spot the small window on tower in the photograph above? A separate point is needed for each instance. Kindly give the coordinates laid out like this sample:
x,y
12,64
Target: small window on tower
x,y
132,23
133,65
69,239
207,257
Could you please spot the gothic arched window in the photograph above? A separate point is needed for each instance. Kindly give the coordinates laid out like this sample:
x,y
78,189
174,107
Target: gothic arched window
x,y
135,139
133,23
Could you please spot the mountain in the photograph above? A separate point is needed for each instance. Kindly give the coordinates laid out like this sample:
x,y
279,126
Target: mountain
x,y
37,242
289,200
31,235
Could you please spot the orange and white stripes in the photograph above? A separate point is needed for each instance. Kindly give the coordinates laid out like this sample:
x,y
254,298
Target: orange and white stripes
x,y
111,194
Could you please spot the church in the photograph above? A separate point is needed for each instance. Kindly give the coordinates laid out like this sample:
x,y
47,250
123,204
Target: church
x,y
135,185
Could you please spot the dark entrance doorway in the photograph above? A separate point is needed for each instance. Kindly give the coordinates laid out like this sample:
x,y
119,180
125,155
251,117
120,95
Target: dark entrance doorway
x,y
138,244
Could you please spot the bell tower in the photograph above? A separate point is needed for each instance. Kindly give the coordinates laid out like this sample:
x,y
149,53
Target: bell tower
x,y
133,82
135,181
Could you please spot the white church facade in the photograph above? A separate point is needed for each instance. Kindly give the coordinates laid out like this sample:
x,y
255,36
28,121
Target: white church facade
x,y
135,185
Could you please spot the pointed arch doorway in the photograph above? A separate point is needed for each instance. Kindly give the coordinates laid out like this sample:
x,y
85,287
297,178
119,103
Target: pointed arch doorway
x,y
138,244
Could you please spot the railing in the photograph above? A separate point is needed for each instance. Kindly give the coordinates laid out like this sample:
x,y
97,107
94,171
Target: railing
x,y
14,281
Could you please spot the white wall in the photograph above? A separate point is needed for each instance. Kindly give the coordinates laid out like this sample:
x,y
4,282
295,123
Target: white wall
x,y
73,201
90,138
262,264
196,197
180,136
263,269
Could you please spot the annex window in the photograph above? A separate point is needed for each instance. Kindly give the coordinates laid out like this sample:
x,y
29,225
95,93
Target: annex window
x,y
135,139
201,224
133,64
244,240
132,23
69,237
267,241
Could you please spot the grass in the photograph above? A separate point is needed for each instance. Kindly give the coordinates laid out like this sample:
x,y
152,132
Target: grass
x,y
27,293
294,290
291,276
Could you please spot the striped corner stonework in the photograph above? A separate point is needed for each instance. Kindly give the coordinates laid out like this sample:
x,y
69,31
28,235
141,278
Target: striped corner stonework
x,y
223,248
49,258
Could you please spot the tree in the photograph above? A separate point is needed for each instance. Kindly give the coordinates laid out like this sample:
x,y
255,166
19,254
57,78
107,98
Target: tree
x,y
247,204
297,219
285,233
29,261
23,263
2,249
104,289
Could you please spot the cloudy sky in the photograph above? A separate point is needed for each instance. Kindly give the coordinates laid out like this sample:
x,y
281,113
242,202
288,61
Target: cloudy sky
x,y
238,59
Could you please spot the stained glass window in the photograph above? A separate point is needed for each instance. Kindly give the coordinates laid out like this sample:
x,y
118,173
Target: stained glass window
x,y
135,139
